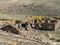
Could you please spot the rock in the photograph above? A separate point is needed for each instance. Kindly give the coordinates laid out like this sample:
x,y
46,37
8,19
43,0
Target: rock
x,y
58,40
51,43
12,43
52,39
10,28
37,38
48,35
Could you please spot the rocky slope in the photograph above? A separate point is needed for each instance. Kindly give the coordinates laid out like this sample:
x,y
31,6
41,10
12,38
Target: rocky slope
x,y
30,7
31,37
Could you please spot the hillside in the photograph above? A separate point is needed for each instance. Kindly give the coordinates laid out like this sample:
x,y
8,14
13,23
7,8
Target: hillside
x,y
31,37
30,7
19,9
